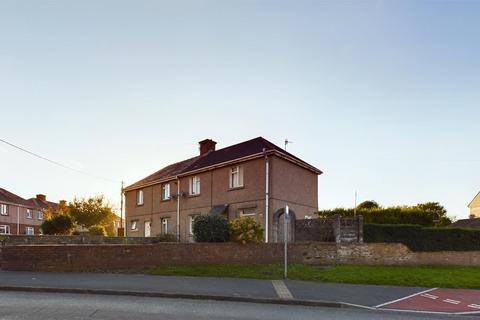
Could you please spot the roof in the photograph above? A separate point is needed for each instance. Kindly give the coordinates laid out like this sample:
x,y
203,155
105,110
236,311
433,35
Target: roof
x,y
466,223
253,147
7,196
477,195
34,202
218,209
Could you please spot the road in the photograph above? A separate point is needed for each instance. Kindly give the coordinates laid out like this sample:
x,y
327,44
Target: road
x,y
30,305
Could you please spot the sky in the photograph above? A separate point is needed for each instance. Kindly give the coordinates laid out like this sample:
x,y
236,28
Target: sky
x,y
383,96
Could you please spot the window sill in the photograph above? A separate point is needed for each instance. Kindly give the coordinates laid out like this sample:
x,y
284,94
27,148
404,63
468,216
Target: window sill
x,y
236,188
166,200
193,195
139,205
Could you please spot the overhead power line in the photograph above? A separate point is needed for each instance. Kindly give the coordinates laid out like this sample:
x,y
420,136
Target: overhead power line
x,y
57,163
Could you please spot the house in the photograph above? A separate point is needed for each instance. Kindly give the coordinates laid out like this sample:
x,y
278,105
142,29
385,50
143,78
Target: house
x,y
466,224
254,178
474,206
21,216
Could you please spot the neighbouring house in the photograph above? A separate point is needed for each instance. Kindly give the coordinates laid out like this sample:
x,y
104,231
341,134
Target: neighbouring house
x,y
466,224
254,178
474,206
22,216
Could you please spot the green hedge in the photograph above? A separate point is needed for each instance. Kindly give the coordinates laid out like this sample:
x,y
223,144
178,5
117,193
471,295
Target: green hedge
x,y
417,238
393,215
210,228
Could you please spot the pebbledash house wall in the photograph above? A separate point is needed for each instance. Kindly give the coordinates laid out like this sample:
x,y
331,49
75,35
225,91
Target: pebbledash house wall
x,y
17,219
288,183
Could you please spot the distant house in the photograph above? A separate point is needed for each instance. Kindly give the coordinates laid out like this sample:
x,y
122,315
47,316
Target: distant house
x,y
474,206
466,223
254,178
22,216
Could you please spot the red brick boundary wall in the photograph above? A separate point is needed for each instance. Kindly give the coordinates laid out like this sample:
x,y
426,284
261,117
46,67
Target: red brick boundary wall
x,y
118,257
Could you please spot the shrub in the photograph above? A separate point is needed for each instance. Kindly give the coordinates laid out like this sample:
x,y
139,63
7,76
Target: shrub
x,y
164,238
392,215
97,231
417,238
245,230
210,228
57,225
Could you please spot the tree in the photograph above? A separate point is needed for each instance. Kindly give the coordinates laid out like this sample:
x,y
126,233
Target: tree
x,y
97,231
434,207
91,212
61,209
368,205
58,225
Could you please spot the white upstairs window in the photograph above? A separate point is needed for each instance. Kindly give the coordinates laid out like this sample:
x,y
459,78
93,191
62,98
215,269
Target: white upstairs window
x,y
139,197
166,191
194,185
3,209
29,213
236,177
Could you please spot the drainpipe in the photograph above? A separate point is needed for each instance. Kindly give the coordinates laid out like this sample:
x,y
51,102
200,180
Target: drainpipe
x,y
18,220
266,196
178,209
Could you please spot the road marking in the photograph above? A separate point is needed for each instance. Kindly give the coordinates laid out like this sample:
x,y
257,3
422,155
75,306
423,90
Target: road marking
x,y
281,289
430,296
474,306
451,301
404,298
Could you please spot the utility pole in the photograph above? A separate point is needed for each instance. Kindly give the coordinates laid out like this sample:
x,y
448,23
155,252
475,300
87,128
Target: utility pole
x,y
121,211
355,208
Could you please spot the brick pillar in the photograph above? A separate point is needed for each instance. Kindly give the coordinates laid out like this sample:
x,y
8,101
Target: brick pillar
x,y
336,225
360,228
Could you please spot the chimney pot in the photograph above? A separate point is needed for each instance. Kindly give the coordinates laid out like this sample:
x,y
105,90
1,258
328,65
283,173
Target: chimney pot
x,y
41,197
206,146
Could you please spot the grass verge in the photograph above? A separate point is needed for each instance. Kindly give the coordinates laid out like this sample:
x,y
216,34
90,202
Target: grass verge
x,y
446,277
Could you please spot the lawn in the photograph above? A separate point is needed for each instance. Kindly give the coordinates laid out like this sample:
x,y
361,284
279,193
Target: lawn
x,y
446,277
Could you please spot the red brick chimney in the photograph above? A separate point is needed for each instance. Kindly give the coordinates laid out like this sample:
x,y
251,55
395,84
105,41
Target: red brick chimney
x,y
206,146
41,197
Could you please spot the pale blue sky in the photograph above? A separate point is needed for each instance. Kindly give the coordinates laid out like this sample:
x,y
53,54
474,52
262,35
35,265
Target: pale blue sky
x,y
381,95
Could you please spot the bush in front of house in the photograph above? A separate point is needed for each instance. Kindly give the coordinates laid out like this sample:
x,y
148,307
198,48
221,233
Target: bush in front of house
x,y
245,230
164,238
97,231
58,225
417,238
210,228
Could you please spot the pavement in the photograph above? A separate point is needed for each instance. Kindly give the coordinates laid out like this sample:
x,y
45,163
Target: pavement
x,y
289,292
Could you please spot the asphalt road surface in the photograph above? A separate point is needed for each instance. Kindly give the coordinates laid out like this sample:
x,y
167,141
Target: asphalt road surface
x,y
31,305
